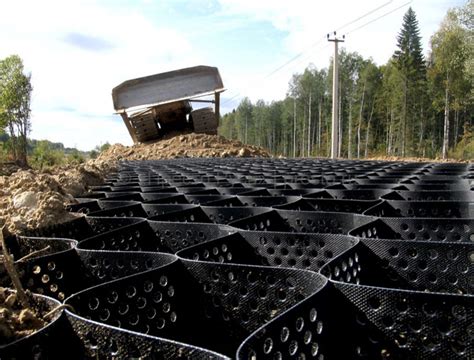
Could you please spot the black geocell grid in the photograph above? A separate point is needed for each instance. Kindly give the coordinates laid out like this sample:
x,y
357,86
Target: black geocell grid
x,y
261,258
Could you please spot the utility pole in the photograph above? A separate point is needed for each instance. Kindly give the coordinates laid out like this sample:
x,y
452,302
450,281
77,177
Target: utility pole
x,y
309,125
335,98
294,127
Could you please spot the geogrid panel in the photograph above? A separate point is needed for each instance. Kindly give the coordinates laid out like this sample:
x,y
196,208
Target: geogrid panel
x,y
260,259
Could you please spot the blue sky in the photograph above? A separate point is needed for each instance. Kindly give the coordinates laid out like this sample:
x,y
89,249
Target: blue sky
x,y
77,51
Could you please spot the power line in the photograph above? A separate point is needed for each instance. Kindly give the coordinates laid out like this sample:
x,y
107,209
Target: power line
x,y
323,46
363,16
323,38
365,24
338,29
380,17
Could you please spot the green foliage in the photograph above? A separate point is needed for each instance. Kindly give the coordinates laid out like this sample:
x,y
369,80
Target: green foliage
x,y
32,144
393,109
449,55
15,97
3,152
93,154
465,147
449,76
466,19
409,55
75,157
44,155
103,147
411,88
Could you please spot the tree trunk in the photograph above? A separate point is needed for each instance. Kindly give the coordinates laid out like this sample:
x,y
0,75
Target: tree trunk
x,y
303,132
294,127
22,145
13,140
246,125
404,121
456,126
358,141
313,139
269,140
390,134
446,120
259,134
339,142
386,131
421,130
24,133
328,137
319,128
309,125
368,131
360,121
349,131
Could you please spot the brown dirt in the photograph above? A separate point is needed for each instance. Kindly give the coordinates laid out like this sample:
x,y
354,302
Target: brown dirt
x,y
189,145
15,321
6,169
31,199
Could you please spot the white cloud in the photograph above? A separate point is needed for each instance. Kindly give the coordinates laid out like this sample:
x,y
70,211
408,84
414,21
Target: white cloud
x,y
80,131
66,76
306,24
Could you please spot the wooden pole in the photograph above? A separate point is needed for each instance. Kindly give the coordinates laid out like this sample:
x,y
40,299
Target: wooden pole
x,y
335,98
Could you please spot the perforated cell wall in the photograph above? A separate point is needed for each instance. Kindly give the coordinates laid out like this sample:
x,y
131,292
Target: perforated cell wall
x,y
260,259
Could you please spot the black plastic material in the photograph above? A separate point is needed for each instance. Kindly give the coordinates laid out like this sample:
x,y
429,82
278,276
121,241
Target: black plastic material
x,y
262,259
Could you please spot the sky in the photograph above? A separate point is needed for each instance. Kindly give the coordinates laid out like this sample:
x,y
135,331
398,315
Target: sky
x,y
78,50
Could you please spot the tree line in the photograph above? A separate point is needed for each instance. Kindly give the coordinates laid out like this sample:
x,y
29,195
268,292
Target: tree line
x,y
42,154
15,125
411,106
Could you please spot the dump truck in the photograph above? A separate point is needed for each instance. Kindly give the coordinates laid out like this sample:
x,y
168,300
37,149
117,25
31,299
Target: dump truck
x,y
153,106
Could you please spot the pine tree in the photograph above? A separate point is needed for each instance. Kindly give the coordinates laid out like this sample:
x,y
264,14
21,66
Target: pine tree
x,y
411,66
405,107
409,56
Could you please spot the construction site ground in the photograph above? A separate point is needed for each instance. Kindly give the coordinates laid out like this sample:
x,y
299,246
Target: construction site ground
x,y
31,199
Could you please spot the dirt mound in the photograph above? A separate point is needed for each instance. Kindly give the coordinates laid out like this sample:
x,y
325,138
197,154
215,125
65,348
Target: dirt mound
x,y
189,145
7,169
31,199
16,321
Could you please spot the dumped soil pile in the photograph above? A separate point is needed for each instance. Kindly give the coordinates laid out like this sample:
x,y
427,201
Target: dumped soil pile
x,y
31,199
16,321
189,145
7,169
